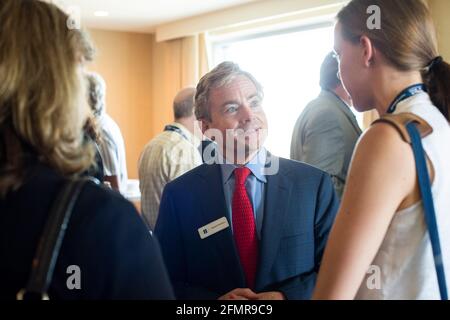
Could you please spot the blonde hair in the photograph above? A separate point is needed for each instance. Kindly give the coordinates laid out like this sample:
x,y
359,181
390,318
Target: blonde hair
x,y
43,104
407,39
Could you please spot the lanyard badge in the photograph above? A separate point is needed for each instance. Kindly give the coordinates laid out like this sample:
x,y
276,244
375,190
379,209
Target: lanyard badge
x,y
405,94
177,130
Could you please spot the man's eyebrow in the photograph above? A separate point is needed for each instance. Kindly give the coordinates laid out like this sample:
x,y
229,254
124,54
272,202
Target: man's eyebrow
x,y
229,102
256,95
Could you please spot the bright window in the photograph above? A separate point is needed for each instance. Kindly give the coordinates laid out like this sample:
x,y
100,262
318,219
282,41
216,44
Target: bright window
x,y
288,66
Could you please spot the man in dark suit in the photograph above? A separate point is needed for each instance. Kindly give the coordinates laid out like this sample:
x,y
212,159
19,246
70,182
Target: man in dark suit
x,y
248,225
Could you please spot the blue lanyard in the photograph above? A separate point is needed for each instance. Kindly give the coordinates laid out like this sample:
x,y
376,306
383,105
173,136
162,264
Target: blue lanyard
x,y
428,206
177,130
405,94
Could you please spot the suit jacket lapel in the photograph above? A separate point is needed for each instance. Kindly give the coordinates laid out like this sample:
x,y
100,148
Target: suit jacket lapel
x,y
214,208
354,123
350,116
277,195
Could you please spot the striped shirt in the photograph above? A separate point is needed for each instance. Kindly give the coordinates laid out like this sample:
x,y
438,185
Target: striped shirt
x,y
166,157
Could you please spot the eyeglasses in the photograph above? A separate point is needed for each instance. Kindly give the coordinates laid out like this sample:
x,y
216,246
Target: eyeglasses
x,y
335,55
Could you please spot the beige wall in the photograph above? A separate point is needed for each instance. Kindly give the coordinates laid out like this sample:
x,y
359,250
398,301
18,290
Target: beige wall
x,y
176,64
440,10
125,61
166,82
142,77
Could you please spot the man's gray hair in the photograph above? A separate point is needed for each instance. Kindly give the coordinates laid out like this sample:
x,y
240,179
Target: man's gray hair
x,y
96,93
220,76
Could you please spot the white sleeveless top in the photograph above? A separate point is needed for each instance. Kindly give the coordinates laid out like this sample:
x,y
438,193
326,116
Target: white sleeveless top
x,y
405,259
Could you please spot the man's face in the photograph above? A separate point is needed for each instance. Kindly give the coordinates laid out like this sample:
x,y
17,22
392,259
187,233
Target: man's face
x,y
236,112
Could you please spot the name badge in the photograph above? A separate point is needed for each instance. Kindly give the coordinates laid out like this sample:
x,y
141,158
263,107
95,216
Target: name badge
x,y
213,227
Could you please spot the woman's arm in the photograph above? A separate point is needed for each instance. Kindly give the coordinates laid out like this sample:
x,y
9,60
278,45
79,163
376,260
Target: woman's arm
x,y
382,175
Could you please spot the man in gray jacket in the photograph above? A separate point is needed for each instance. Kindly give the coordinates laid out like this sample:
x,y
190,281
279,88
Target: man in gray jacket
x,y
326,132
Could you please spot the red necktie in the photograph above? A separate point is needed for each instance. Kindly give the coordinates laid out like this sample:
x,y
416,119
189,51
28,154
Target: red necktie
x,y
244,227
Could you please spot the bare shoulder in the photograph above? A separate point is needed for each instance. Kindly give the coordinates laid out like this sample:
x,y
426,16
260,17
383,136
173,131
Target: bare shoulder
x,y
382,142
382,167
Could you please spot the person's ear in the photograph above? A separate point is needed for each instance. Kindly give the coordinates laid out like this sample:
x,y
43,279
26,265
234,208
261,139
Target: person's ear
x,y
368,50
204,125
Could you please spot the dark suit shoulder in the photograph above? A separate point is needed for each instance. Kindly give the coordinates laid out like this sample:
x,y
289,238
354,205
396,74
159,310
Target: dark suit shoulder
x,y
298,168
192,176
104,214
286,166
105,200
102,230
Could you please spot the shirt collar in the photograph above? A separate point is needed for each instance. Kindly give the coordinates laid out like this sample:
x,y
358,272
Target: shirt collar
x,y
256,166
403,105
344,106
192,138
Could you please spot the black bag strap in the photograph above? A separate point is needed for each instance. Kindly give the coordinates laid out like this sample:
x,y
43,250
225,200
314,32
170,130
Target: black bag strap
x,y
50,242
